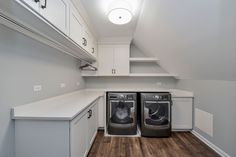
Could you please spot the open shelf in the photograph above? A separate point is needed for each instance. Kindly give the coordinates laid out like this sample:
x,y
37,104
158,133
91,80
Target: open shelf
x,y
134,75
142,59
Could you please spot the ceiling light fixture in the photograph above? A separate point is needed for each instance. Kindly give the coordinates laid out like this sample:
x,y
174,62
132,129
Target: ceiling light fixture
x,y
120,12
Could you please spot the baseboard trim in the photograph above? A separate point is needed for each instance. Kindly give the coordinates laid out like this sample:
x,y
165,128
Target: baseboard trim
x,y
210,144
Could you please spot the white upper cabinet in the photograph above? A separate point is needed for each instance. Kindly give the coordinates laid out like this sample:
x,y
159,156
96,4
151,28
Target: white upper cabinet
x,y
86,39
105,59
64,15
121,59
57,13
113,60
76,26
33,4
94,48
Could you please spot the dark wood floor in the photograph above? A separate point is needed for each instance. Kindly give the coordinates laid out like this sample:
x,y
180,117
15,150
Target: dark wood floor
x,y
180,144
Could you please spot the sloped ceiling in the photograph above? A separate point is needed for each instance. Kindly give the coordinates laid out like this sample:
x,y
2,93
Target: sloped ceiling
x,y
195,39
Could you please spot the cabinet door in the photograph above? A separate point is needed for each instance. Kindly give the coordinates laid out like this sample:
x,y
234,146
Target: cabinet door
x,y
33,4
92,124
76,26
121,59
105,59
56,13
79,131
87,37
94,48
182,110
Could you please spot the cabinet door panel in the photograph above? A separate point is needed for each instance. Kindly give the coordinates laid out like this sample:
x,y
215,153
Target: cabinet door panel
x,y
56,13
105,59
94,48
79,131
32,4
182,109
121,59
87,36
92,125
76,26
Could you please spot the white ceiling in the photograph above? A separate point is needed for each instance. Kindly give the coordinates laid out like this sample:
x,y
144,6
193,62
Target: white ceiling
x,y
97,11
195,39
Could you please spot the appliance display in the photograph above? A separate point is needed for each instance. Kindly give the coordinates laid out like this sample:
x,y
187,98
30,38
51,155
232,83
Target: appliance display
x,y
121,113
155,120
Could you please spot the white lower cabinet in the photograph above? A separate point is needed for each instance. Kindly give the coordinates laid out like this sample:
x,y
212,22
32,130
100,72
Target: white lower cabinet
x,y
57,138
83,131
79,131
92,125
182,114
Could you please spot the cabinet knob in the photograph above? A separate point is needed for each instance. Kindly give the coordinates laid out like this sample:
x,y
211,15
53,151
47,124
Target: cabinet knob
x,y
36,1
92,50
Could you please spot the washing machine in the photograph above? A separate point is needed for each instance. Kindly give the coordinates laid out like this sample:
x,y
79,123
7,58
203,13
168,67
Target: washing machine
x,y
121,113
155,114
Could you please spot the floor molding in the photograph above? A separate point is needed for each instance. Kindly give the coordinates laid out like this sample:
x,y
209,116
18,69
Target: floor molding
x,y
210,144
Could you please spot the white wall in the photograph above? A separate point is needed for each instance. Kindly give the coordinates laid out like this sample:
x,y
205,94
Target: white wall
x,y
219,99
192,38
24,63
129,82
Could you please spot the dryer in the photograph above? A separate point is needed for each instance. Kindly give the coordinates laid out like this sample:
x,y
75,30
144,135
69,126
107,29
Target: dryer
x,y
155,114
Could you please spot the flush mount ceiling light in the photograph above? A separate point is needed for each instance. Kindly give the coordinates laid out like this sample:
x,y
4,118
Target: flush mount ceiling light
x,y
120,12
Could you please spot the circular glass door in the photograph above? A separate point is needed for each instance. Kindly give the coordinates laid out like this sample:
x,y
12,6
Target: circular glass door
x,y
121,112
156,113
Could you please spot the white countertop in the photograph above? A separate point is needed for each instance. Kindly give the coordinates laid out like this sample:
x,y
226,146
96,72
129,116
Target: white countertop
x,y
68,106
176,93
64,107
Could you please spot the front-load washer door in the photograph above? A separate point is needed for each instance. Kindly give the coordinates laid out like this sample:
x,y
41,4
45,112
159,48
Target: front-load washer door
x,y
156,113
122,112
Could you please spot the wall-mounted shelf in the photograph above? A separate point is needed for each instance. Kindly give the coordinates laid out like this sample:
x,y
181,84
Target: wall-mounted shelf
x,y
152,75
134,75
143,59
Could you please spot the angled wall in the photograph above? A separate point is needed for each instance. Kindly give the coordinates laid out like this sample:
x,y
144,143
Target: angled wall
x,y
194,39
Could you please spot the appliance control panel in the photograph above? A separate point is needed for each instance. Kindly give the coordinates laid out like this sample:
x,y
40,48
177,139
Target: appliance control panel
x,y
157,96
122,96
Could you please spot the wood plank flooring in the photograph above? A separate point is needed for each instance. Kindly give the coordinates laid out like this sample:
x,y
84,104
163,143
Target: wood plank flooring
x,y
180,144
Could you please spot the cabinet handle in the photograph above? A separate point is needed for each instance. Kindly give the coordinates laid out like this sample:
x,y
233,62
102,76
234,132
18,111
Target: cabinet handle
x,y
36,1
92,50
45,4
84,41
89,114
115,71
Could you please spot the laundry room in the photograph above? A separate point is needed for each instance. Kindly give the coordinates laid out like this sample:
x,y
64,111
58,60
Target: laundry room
x,y
117,78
